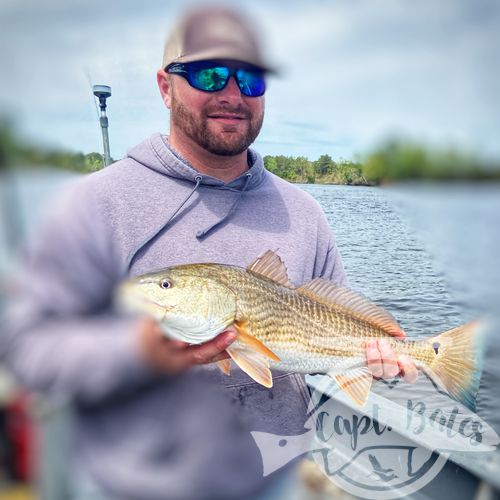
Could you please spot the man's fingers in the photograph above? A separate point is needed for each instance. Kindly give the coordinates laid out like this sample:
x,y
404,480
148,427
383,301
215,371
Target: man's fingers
x,y
408,369
381,359
389,359
383,362
373,359
178,344
206,353
222,355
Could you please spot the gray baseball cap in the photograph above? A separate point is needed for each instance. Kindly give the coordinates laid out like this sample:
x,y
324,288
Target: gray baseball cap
x,y
214,33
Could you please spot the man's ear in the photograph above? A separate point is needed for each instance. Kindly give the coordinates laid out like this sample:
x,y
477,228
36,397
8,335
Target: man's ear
x,y
165,88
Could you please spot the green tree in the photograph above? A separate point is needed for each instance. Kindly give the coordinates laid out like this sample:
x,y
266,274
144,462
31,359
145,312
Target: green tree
x,y
404,160
301,166
270,164
93,162
324,165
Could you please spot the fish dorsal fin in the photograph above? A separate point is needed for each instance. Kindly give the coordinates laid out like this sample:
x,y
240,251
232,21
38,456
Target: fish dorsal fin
x,y
357,304
272,267
356,382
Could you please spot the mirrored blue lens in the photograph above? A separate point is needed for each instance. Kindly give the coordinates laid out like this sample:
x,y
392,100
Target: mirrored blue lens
x,y
251,83
213,78
209,79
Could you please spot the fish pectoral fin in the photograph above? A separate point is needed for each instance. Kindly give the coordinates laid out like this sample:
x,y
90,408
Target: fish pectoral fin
x,y
224,366
253,343
251,362
356,383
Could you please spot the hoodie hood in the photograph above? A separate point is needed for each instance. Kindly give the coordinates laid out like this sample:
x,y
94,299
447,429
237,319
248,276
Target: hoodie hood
x,y
157,154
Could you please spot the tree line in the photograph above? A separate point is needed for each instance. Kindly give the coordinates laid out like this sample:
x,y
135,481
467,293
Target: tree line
x,y
324,170
406,160
396,160
15,153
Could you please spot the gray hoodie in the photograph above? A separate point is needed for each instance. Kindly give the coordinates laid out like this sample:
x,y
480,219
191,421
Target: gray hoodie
x,y
138,434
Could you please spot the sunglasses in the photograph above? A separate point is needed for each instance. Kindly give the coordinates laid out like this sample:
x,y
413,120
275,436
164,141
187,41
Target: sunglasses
x,y
210,76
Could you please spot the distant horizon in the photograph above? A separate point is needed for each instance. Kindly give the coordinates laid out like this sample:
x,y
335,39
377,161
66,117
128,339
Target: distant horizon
x,y
356,156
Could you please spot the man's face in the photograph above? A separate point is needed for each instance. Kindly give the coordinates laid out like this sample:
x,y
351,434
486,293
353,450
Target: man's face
x,y
224,123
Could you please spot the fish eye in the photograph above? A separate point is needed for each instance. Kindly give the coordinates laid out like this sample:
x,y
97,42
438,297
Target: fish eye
x,y
436,346
165,284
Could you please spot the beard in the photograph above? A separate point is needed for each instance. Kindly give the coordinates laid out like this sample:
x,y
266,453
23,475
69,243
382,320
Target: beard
x,y
229,142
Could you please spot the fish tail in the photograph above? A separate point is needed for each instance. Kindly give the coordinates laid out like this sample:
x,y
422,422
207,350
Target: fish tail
x,y
458,361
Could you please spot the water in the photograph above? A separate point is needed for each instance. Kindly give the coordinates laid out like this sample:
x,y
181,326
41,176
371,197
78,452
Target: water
x,y
23,196
426,253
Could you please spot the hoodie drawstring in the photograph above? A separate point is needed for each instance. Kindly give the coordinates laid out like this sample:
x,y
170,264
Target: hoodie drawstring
x,y
204,232
132,255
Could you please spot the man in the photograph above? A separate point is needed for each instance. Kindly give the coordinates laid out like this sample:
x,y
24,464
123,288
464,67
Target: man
x,y
146,426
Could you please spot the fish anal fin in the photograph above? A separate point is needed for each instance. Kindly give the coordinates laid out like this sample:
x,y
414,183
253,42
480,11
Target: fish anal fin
x,y
252,342
269,265
353,302
252,363
356,383
224,366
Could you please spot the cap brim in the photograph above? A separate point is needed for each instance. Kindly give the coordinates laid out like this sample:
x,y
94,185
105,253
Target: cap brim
x,y
225,53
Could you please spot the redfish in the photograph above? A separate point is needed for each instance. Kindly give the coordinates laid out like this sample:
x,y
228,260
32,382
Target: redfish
x,y
319,327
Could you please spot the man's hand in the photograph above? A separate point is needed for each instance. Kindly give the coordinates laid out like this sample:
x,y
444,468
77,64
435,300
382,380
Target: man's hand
x,y
172,356
383,362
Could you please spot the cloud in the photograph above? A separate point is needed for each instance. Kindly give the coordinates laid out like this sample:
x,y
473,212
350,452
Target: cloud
x,y
418,69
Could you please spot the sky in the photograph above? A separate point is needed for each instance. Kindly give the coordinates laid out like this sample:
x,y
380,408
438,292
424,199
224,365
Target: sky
x,y
353,73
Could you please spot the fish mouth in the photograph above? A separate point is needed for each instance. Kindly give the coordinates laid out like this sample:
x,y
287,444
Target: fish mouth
x,y
131,300
149,302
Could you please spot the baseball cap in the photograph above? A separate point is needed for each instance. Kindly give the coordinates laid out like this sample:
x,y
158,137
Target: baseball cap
x,y
214,33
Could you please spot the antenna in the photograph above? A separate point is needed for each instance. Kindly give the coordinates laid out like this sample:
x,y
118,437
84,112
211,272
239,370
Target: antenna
x,y
102,92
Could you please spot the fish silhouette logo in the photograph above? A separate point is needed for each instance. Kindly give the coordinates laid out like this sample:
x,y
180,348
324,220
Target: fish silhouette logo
x,y
381,451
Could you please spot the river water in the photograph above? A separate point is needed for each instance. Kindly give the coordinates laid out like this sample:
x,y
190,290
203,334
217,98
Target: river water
x,y
427,253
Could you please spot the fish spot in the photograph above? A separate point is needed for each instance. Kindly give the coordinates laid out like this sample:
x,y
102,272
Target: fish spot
x,y
436,346
282,443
